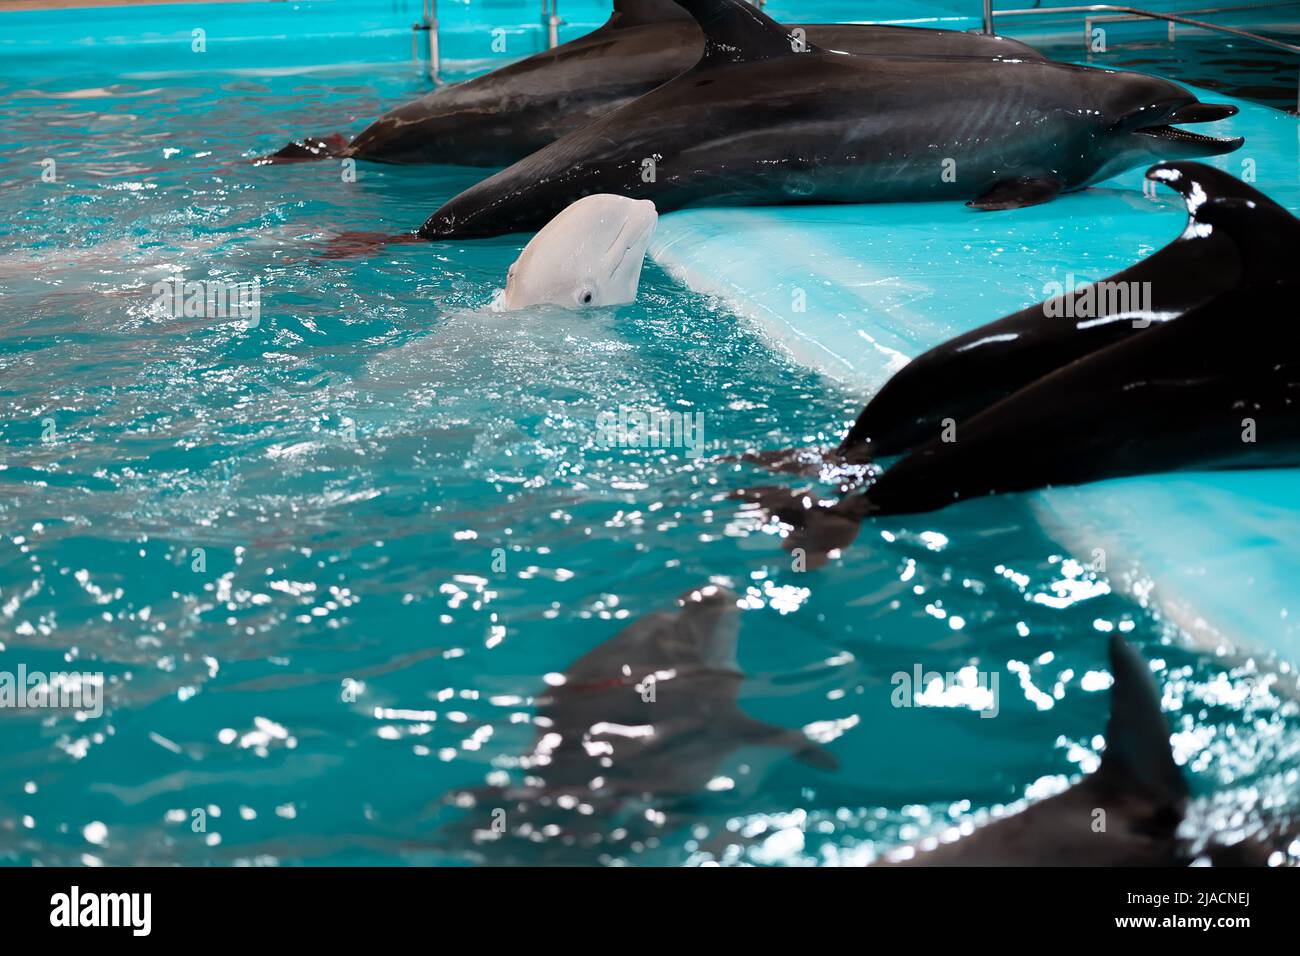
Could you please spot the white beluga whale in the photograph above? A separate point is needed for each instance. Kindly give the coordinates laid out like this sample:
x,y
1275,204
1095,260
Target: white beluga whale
x,y
588,255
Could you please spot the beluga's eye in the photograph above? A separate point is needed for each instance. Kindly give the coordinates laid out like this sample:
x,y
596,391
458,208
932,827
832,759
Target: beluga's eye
x,y
584,296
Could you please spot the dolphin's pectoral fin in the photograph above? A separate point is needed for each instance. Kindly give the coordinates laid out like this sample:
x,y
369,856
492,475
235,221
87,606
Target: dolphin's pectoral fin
x,y
1015,193
759,734
814,755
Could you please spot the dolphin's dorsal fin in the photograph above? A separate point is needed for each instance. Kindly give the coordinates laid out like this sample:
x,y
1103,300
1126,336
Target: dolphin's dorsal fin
x,y
1137,754
637,13
1221,204
735,32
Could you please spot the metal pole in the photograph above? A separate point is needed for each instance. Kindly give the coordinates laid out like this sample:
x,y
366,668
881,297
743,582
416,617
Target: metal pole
x,y
988,16
435,54
552,25
430,25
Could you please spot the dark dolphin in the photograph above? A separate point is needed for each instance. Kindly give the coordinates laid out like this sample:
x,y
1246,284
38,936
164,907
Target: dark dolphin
x,y
969,373
1127,813
1218,387
502,116
644,719
756,122
1213,387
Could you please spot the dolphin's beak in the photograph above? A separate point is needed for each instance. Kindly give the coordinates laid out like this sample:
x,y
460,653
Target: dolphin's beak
x,y
1180,142
1202,113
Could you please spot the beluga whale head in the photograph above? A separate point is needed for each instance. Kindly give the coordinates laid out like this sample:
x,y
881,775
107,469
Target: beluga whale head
x,y
588,255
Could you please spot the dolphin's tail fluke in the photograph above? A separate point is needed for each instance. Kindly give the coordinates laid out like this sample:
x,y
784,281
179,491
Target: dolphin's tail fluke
x,y
308,150
1138,757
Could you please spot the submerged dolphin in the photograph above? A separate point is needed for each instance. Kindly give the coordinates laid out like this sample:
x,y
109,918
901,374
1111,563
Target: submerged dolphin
x,y
502,116
649,715
589,255
1125,814
765,118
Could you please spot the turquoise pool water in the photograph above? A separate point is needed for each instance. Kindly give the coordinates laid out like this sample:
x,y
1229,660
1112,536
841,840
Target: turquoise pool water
x,y
282,545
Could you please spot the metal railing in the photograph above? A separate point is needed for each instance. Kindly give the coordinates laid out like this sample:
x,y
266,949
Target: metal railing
x,y
1115,13
551,22
428,25
1135,13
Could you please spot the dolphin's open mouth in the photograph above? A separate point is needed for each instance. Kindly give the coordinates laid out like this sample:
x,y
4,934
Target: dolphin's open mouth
x,y
1195,113
1210,145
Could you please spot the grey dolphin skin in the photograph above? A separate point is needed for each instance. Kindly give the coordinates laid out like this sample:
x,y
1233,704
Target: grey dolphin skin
x,y
1125,814
766,118
502,116
648,715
